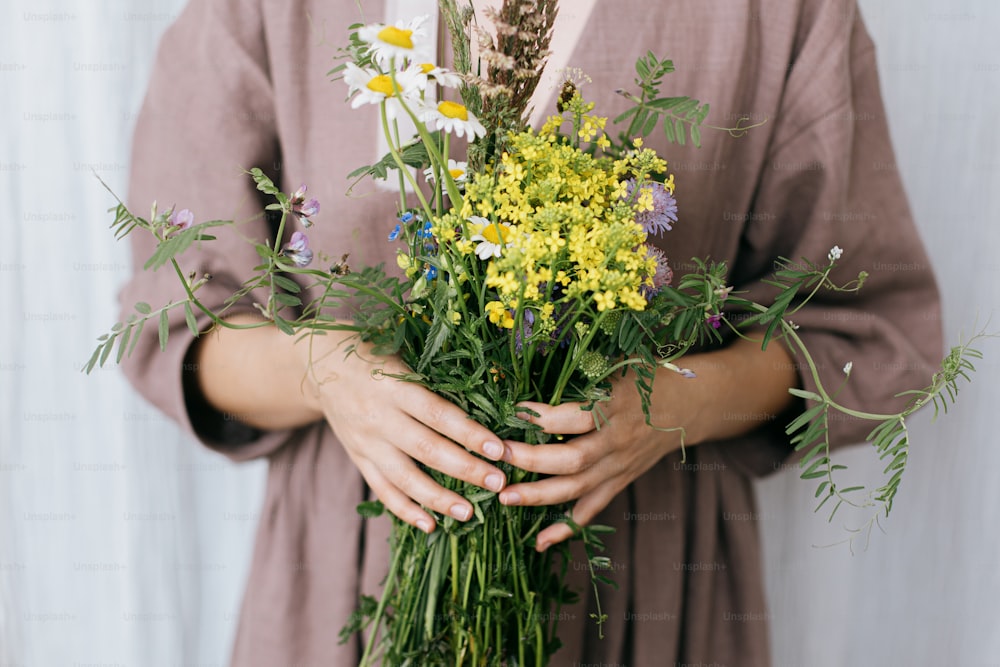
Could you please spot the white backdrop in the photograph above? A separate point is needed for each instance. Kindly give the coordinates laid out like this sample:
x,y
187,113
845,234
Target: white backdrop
x,y
121,543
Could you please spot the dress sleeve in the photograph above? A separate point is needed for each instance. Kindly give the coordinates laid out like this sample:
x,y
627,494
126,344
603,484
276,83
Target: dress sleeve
x,y
831,179
208,115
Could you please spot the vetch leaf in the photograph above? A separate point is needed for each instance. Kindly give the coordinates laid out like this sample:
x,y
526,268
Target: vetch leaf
x,y
192,323
164,329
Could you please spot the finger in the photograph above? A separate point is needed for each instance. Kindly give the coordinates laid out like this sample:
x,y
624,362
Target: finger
x,y
564,419
396,501
554,534
569,458
583,512
403,478
549,491
435,451
451,421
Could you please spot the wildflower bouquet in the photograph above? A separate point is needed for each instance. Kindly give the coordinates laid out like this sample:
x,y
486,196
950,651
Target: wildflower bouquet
x,y
526,273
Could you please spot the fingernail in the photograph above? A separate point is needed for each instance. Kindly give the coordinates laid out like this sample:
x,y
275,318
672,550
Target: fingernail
x,y
494,450
511,498
494,482
541,546
424,525
461,512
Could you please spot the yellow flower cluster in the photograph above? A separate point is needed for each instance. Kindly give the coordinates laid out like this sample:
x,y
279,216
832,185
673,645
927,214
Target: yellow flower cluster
x,y
569,225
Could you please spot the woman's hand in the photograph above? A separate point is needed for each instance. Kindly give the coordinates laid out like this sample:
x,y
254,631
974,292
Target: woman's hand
x,y
611,448
736,389
388,425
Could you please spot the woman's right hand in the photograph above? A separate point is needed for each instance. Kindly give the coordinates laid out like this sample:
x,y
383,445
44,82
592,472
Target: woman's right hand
x,y
388,425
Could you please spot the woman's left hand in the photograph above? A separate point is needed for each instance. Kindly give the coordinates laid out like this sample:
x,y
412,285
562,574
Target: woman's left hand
x,y
612,446
737,388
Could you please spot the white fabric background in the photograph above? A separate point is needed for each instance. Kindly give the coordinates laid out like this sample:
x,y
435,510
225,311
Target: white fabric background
x,y
121,543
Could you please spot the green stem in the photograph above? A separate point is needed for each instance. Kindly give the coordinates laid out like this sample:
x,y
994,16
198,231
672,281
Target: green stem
x,y
390,580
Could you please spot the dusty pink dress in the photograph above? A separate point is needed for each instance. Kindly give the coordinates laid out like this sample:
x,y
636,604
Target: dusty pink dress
x,y
241,83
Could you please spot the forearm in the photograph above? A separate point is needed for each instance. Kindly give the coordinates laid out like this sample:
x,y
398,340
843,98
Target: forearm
x,y
258,376
738,389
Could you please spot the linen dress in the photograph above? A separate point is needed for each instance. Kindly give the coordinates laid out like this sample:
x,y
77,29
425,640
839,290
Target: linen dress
x,y
242,83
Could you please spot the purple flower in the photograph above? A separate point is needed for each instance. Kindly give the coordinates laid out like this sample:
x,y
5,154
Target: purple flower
x,y
663,275
304,209
664,213
715,320
527,328
394,234
297,250
182,218
309,209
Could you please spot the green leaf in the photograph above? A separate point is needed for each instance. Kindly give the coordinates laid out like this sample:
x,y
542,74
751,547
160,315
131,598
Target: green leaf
x,y
805,418
480,495
696,136
192,323
287,284
178,243
495,592
371,509
143,308
106,352
813,472
681,137
264,183
123,344
668,130
164,329
288,300
667,103
650,125
808,395
135,336
93,360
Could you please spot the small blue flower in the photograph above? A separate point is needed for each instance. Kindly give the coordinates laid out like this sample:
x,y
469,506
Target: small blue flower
x,y
425,231
407,217
431,272
394,234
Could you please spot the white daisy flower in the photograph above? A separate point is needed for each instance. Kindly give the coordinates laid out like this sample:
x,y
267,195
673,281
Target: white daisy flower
x,y
456,169
835,253
453,117
441,76
371,87
407,40
492,237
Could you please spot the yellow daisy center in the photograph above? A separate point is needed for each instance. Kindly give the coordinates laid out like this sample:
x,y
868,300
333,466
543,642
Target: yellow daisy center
x,y
427,68
495,234
381,84
455,173
453,110
396,36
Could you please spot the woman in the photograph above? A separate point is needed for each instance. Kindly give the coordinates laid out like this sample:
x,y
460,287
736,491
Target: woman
x,y
241,83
